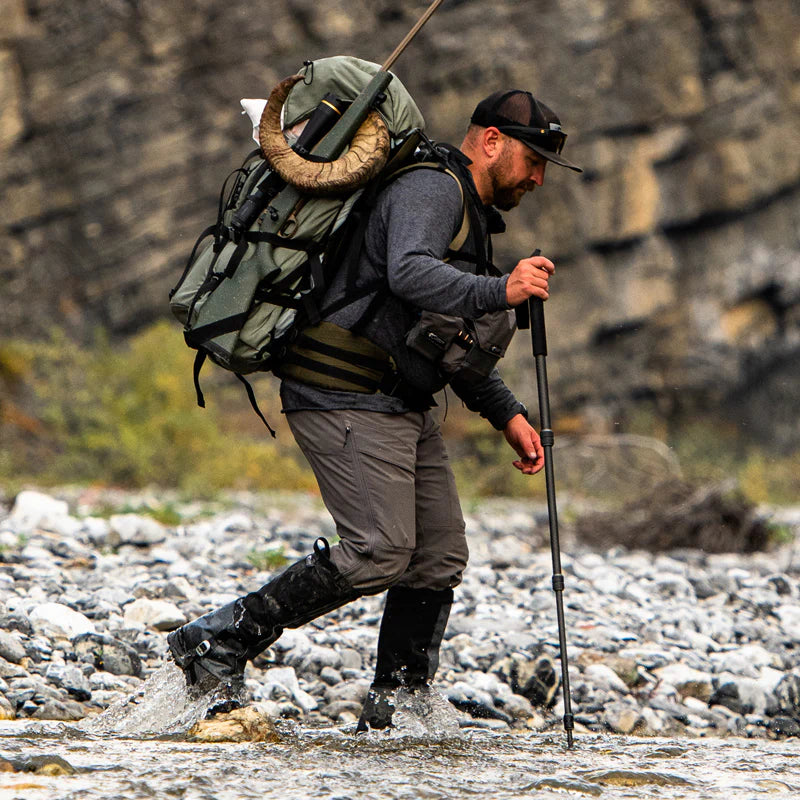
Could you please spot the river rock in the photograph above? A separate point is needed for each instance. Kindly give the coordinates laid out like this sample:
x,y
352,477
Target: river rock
x,y
158,614
534,678
6,709
31,508
58,619
283,681
250,724
50,765
689,682
643,642
70,678
787,693
108,654
137,530
11,648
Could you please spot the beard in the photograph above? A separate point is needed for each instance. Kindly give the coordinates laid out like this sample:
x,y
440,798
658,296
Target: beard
x,y
506,195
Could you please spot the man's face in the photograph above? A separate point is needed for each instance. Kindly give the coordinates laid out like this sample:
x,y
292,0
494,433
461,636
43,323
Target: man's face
x,y
516,170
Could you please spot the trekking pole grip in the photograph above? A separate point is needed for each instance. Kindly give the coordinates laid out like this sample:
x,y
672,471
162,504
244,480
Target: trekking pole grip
x,y
538,333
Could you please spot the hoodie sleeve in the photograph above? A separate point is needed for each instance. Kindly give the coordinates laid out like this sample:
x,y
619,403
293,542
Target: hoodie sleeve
x,y
421,212
491,398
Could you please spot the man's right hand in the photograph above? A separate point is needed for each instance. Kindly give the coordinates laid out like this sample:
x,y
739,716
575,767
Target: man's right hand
x,y
529,279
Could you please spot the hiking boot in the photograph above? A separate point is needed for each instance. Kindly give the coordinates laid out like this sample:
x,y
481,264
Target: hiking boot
x,y
378,709
411,632
215,648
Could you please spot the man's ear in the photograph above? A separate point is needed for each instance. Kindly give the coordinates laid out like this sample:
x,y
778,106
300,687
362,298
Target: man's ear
x,y
491,141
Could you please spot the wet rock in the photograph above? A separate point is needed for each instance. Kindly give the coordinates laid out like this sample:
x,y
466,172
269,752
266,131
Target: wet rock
x,y
6,709
784,726
476,703
50,765
282,681
249,724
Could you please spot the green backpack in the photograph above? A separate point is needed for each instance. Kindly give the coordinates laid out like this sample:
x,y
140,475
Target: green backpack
x,y
243,292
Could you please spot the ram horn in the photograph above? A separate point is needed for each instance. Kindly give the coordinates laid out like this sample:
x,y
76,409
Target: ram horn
x,y
363,160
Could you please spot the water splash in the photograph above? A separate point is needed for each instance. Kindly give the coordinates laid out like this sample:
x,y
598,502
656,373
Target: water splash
x,y
423,713
161,706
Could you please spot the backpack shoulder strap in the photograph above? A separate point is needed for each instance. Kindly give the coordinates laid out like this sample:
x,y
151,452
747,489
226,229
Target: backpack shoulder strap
x,y
462,233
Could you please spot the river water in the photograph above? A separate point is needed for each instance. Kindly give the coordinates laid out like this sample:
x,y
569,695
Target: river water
x,y
140,749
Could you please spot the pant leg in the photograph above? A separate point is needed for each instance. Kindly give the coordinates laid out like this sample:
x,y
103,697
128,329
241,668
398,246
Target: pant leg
x,y
441,552
365,464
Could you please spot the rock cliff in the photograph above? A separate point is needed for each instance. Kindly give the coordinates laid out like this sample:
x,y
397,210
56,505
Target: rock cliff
x,y
678,248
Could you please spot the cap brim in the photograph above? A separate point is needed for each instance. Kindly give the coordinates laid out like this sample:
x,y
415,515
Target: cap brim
x,y
556,158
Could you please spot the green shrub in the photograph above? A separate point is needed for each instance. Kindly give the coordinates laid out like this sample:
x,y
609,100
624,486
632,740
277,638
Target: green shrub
x,y
127,416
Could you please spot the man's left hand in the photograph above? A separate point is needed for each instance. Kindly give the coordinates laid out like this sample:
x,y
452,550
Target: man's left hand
x,y
522,437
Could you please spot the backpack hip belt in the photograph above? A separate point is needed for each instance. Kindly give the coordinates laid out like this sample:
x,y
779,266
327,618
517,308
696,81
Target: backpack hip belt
x,y
331,357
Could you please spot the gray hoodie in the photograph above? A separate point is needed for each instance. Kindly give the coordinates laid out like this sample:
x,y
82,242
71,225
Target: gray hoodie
x,y
407,236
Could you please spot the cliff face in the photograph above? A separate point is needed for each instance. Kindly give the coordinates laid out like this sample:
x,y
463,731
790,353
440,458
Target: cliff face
x,y
678,248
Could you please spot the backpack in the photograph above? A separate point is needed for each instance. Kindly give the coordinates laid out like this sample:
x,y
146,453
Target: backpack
x,y
244,292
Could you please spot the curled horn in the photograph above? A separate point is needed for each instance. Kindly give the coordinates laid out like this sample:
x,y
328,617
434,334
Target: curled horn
x,y
365,157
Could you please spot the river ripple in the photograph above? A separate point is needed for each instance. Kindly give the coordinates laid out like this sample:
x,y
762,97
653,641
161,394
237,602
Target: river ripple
x,y
335,764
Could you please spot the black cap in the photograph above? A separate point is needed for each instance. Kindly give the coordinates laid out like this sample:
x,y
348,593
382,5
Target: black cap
x,y
521,116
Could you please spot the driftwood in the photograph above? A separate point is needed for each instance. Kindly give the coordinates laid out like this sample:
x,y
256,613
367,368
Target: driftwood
x,y
714,519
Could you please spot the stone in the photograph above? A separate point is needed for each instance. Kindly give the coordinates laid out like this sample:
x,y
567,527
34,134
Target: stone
x,y
70,678
60,620
63,710
11,648
31,508
605,677
50,765
284,680
248,724
160,615
534,677
107,653
787,694
689,682
6,709
622,718
137,530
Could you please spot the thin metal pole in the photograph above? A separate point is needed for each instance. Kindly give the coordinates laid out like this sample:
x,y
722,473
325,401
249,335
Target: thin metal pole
x,y
387,65
539,342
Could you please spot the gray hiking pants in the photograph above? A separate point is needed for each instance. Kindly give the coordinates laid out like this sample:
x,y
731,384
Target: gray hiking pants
x,y
387,482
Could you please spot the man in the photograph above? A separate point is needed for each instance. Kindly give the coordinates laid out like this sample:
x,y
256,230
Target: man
x,y
363,421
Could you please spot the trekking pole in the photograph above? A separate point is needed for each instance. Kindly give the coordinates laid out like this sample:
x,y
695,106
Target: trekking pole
x,y
535,307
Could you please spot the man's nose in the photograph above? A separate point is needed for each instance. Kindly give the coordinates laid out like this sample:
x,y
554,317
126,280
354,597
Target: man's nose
x,y
537,174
